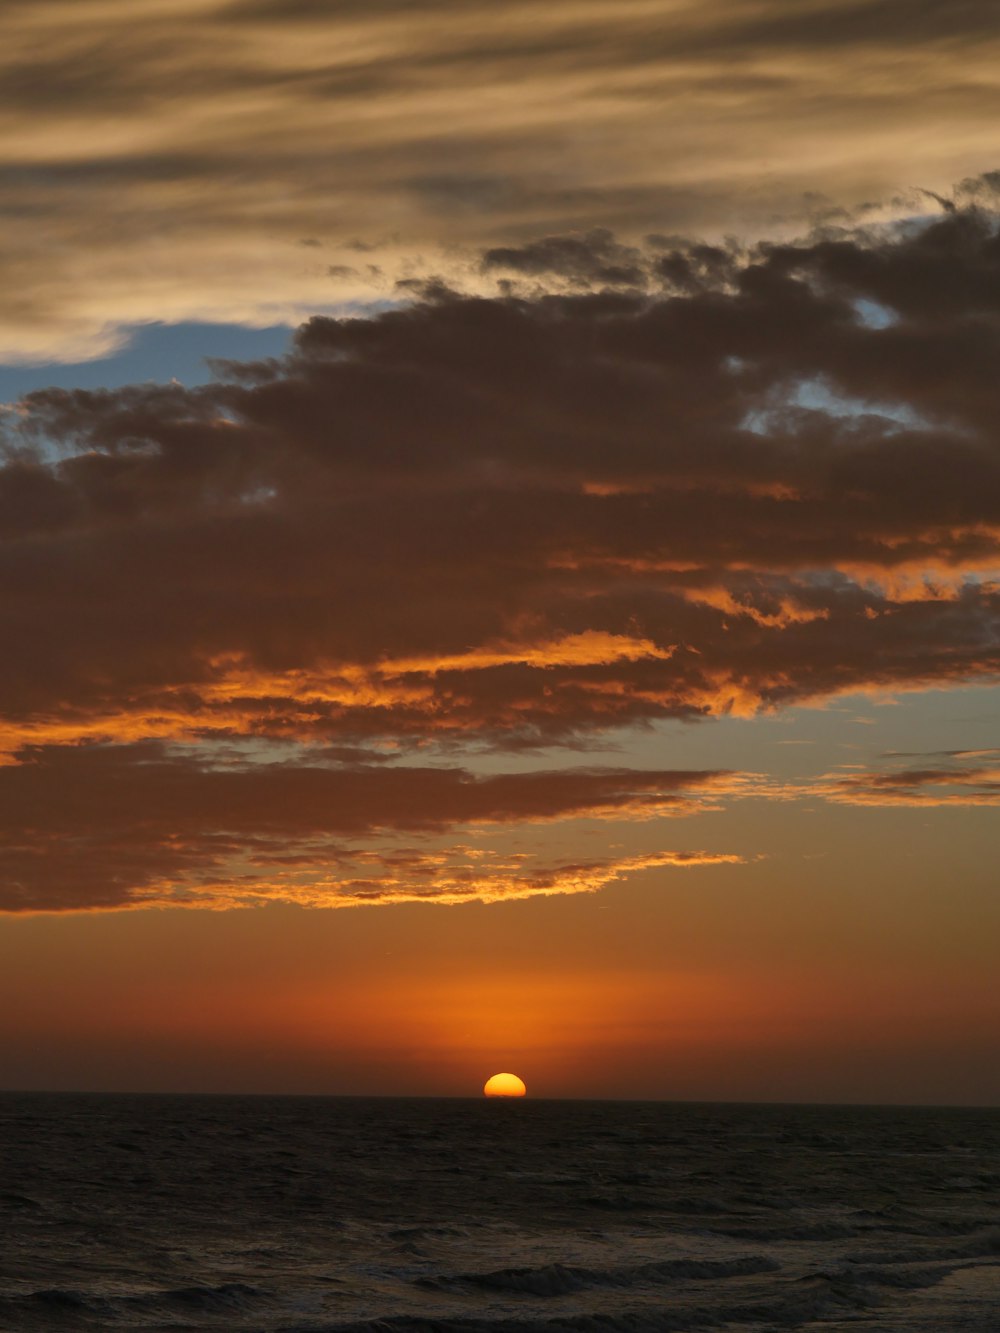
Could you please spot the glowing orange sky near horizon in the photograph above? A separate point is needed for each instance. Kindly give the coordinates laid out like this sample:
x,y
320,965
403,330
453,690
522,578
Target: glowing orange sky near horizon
x,y
665,988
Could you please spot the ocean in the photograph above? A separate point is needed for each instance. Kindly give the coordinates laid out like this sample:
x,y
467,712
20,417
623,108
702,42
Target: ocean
x,y
295,1214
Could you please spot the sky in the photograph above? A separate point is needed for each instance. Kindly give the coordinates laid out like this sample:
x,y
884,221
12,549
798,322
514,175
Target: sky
x,y
500,547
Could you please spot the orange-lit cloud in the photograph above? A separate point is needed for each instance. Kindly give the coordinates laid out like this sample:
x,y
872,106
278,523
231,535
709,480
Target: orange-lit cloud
x,y
470,526
399,531
93,826
446,878
952,778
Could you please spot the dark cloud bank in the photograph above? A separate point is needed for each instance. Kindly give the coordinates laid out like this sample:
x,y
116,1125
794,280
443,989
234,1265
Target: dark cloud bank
x,y
103,825
667,481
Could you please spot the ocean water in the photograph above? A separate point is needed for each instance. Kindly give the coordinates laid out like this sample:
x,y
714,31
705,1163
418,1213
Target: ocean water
x,y
262,1214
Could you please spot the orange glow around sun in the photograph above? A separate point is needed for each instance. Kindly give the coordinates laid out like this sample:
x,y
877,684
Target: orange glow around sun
x,y
504,1085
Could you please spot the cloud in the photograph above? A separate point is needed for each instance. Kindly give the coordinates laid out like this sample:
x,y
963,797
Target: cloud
x,y
517,521
124,826
167,170
596,259
448,879
949,778
853,24
472,526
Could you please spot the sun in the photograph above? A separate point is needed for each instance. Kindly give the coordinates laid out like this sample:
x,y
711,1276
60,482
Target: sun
x,y
504,1085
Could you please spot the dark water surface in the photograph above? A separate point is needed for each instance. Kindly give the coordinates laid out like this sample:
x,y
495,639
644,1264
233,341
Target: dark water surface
x,y
263,1214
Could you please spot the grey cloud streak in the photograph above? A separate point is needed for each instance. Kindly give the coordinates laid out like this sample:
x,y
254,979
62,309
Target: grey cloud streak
x,y
165,169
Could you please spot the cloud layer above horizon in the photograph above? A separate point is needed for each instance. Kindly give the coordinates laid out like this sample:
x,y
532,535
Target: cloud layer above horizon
x,y
269,629
331,149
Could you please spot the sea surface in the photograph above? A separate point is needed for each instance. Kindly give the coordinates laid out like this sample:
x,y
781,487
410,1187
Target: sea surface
x,y
262,1214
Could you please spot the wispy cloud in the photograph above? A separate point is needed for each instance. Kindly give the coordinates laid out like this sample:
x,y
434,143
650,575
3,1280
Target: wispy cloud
x,y
948,778
170,169
102,827
447,878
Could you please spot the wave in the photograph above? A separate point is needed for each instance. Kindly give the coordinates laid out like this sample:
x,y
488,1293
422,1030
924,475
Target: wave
x,y
837,1295
54,1302
979,1247
60,1298
803,1231
229,1297
845,1292
20,1203
563,1279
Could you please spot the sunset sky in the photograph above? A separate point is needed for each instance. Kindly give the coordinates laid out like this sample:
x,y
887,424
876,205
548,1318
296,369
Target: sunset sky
x,y
500,547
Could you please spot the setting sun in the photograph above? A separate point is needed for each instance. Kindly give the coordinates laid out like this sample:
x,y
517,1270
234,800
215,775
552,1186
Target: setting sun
x,y
504,1085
